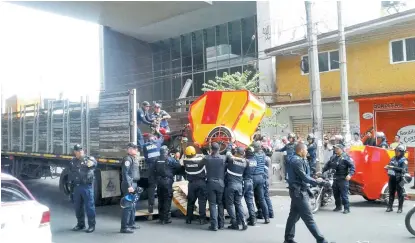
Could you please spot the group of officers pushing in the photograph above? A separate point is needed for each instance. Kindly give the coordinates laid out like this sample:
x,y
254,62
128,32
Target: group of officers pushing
x,y
221,180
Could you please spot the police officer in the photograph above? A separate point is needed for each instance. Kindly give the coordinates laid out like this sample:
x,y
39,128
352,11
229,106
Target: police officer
x,y
143,117
312,153
397,167
197,190
268,154
344,166
248,186
151,151
236,167
215,170
299,180
165,169
130,173
81,177
259,179
289,149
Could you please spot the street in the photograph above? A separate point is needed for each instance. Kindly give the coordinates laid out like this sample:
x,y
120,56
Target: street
x,y
368,222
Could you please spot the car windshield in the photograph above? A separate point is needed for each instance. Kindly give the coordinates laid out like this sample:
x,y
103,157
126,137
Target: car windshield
x,y
12,191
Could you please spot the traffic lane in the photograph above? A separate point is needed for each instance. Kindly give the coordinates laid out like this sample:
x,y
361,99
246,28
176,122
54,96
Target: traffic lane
x,y
368,222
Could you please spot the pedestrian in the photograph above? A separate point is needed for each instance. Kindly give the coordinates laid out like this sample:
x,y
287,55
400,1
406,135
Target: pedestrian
x,y
151,151
356,140
312,153
328,148
236,166
289,150
299,174
130,173
165,169
397,168
259,179
81,177
345,168
215,170
382,140
396,142
268,164
197,189
369,140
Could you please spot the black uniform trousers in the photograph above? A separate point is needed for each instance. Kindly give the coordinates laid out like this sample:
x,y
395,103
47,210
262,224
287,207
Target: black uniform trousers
x,y
215,197
259,187
396,186
300,208
152,181
128,214
341,193
233,198
165,195
197,190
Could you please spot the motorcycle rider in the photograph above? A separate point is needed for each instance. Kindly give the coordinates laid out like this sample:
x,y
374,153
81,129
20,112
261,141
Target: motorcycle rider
x,y
143,117
165,169
197,190
130,176
236,166
397,168
151,150
289,150
162,116
383,143
312,153
344,166
259,179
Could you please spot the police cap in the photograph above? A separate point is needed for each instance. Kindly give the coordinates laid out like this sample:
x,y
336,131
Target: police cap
x,y
215,146
77,147
132,145
340,146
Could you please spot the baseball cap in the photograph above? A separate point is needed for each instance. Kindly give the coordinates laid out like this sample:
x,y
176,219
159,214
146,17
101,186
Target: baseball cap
x,y
77,147
131,145
215,146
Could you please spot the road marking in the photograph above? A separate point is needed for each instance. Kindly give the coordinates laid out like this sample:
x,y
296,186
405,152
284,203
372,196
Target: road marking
x,y
280,226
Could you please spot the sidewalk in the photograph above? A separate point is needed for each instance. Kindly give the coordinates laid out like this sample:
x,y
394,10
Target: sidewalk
x,y
280,189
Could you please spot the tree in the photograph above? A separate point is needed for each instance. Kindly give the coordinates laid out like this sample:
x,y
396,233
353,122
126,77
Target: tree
x,y
244,81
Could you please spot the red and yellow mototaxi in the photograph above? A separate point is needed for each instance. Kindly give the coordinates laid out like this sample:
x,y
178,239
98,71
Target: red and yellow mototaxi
x,y
225,117
370,179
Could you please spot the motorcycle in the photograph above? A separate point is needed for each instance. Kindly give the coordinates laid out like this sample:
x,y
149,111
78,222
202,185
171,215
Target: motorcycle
x,y
173,140
322,194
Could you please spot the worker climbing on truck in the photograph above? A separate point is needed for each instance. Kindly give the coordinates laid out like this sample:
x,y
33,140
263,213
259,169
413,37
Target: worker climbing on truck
x,y
143,117
161,117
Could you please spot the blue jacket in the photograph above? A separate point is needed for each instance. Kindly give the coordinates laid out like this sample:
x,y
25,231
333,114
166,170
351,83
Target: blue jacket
x,y
143,117
299,174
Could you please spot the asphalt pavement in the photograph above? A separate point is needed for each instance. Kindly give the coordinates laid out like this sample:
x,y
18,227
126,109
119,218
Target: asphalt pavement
x,y
368,223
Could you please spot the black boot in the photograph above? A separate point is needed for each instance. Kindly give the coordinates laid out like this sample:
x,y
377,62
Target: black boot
x,y
90,229
337,209
188,221
150,208
244,225
126,231
267,221
346,211
203,221
389,209
78,227
233,226
167,219
252,221
213,228
259,215
400,205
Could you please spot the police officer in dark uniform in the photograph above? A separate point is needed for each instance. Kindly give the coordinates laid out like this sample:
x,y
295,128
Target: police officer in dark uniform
x,y
248,186
165,169
215,170
236,167
151,151
82,176
143,117
197,190
259,179
299,180
397,168
289,149
312,153
130,173
344,166
268,163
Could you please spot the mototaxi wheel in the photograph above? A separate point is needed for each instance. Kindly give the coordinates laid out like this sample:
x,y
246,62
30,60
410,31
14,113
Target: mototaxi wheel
x,y
222,136
408,221
315,201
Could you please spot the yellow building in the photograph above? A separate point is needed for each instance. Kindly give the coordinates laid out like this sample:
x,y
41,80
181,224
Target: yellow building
x,y
380,70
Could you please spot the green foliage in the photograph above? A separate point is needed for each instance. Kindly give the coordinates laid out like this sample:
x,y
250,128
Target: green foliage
x,y
243,81
237,81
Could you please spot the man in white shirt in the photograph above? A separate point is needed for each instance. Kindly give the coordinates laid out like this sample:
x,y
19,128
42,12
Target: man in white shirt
x,y
356,140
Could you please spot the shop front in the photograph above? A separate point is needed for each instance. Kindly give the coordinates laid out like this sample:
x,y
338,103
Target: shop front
x,y
392,115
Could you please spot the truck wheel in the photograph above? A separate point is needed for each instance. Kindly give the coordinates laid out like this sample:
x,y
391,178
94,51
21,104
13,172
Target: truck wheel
x,y
64,182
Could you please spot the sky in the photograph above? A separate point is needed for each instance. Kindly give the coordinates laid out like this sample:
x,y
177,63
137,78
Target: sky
x,y
42,52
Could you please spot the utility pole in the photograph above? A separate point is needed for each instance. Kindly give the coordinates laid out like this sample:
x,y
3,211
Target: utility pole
x,y
345,126
314,78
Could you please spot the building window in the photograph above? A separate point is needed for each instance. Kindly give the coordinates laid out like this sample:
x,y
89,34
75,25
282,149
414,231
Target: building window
x,y
327,61
402,50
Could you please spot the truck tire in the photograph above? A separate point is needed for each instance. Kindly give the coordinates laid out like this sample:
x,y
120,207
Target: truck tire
x,y
64,182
